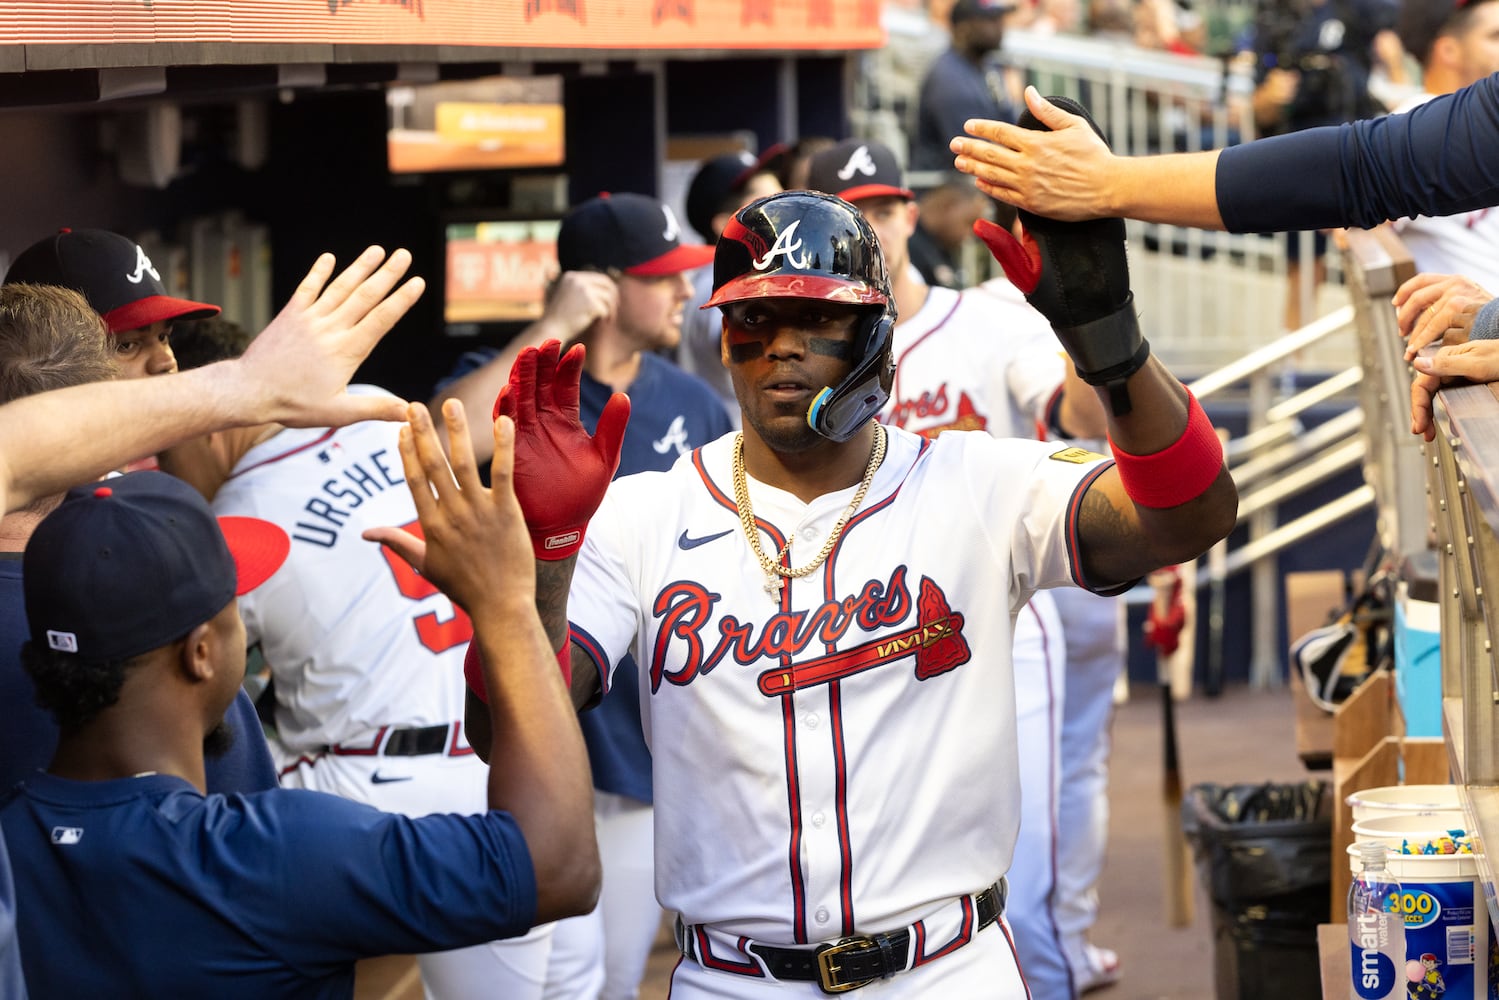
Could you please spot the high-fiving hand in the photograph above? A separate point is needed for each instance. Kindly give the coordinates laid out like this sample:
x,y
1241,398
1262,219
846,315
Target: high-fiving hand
x,y
561,472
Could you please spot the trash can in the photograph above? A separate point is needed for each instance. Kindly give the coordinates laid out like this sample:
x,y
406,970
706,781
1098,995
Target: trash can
x,y
1264,854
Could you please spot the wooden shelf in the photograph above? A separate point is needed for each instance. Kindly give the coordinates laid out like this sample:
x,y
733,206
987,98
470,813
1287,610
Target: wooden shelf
x,y
1332,950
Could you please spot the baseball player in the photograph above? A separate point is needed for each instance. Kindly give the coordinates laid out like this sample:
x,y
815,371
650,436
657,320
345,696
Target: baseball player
x,y
276,893
821,609
971,361
46,346
120,282
365,655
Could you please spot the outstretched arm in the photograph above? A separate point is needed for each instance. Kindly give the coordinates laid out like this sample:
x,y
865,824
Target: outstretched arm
x,y
1070,174
294,373
477,551
1438,159
1168,498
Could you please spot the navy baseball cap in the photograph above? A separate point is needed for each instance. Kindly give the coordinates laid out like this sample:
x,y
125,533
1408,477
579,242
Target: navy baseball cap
x,y
130,564
626,232
721,176
856,169
111,271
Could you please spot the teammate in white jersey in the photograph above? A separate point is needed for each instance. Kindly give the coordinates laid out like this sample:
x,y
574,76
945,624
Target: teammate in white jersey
x,y
366,656
829,694
973,361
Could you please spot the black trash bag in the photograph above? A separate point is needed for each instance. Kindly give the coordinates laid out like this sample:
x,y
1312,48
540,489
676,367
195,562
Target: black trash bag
x,y
1264,854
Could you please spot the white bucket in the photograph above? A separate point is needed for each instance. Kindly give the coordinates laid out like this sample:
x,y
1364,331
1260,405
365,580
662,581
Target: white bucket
x,y
1393,831
1447,940
1403,800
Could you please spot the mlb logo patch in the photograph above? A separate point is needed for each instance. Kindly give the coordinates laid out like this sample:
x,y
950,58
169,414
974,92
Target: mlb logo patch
x,y
67,834
63,642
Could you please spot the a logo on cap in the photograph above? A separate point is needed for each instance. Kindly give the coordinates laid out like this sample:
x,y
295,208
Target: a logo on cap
x,y
673,232
784,247
67,834
859,163
143,267
63,642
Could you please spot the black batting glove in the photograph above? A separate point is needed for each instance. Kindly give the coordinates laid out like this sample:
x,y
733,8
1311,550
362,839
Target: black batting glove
x,y
1077,276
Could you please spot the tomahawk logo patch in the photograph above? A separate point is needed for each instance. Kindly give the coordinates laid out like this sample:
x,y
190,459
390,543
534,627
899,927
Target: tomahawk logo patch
x,y
786,245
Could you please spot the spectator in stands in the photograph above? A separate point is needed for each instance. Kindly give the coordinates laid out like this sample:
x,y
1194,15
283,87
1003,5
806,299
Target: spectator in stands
x,y
1457,45
961,84
1312,65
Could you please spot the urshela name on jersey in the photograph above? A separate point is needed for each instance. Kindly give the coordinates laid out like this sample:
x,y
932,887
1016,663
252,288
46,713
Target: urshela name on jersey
x,y
356,481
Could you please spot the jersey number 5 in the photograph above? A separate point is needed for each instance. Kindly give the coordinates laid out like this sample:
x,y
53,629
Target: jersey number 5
x,y
434,633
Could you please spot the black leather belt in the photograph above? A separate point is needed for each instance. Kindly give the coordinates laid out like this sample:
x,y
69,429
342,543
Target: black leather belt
x,y
419,742
852,962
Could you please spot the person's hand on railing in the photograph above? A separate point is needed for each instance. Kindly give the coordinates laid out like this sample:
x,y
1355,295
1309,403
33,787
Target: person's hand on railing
x,y
1474,361
1441,307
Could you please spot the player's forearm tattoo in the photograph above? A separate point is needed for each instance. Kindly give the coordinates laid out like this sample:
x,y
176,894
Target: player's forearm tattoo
x,y
553,579
1106,535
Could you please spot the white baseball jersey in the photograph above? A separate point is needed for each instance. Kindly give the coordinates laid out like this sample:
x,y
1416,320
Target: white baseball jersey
x,y
840,757
1466,243
355,639
979,359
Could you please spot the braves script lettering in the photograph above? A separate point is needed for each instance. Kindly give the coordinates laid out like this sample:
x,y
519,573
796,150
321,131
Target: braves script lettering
x,y
784,247
686,610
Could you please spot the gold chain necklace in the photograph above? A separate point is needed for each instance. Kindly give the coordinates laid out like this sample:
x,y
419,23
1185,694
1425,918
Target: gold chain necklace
x,y
776,574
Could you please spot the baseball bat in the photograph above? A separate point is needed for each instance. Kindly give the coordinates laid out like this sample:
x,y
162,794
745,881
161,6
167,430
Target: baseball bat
x,y
1178,871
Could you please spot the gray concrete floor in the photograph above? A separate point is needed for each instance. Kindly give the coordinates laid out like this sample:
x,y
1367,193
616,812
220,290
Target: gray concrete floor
x,y
1243,735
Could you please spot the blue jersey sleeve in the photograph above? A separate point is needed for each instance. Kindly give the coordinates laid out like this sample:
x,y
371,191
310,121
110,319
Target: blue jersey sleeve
x,y
1439,159
364,882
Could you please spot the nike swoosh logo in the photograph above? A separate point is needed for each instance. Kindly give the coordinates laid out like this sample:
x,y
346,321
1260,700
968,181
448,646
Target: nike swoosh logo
x,y
377,779
684,543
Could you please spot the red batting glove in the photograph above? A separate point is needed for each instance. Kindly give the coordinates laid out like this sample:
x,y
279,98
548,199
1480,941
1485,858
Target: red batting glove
x,y
561,472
